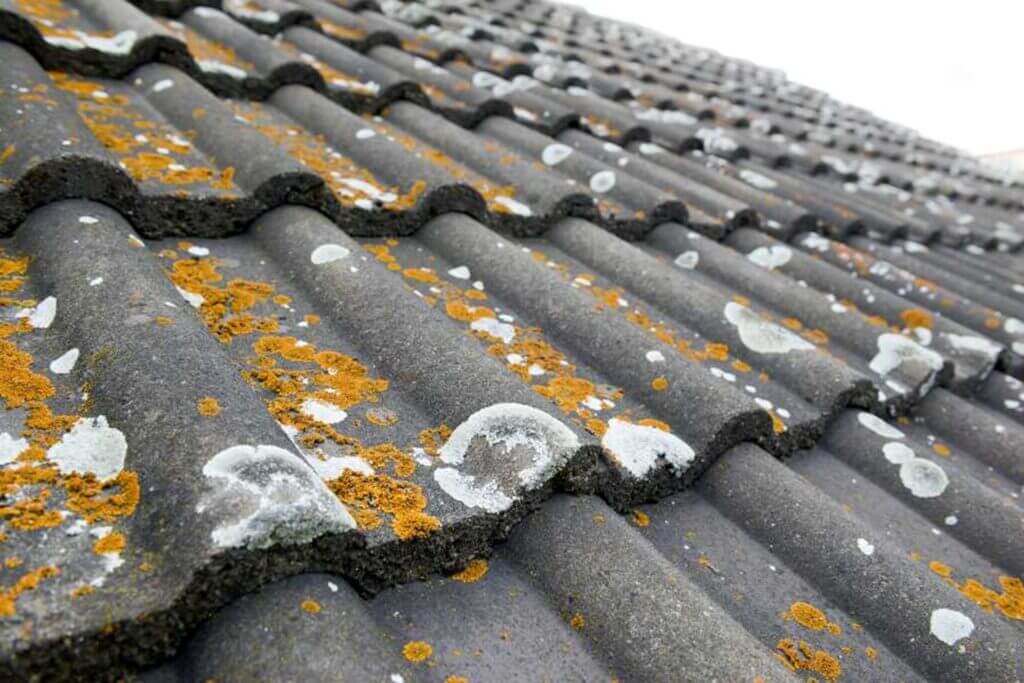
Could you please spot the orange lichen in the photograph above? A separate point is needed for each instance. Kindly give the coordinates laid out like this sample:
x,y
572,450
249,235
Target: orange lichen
x,y
577,621
917,317
295,373
380,493
31,484
941,449
111,543
871,652
527,355
28,581
81,590
473,572
456,679
640,518
659,384
85,499
420,275
311,606
163,154
208,406
417,651
432,439
810,617
1009,602
803,657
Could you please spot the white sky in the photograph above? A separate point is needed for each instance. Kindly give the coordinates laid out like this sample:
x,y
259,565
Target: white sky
x,y
952,70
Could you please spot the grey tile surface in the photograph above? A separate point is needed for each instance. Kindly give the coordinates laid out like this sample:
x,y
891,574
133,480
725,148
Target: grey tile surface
x,y
697,373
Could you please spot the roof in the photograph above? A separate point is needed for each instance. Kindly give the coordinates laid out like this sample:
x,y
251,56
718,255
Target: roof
x,y
494,340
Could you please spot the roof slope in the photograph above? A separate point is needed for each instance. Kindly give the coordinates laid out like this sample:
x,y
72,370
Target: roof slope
x,y
294,286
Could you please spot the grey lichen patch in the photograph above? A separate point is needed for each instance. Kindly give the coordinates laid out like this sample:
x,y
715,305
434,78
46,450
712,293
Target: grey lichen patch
x,y
91,447
641,448
264,495
500,452
763,336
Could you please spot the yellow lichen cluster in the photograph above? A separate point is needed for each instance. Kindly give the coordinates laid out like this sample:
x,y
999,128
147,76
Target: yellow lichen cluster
x,y
640,518
527,355
799,655
810,617
1009,602
472,572
45,14
496,196
27,582
203,49
353,185
148,149
802,657
295,374
417,651
42,496
711,351
208,407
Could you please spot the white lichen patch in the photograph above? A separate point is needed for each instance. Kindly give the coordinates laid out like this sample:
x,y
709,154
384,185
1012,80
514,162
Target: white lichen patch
x,y
687,260
467,490
513,206
759,181
655,357
332,468
92,446
898,453
42,315
196,250
10,448
264,495
119,44
65,363
894,350
500,451
555,153
326,253
771,257
494,328
602,181
162,85
879,426
194,300
816,242
923,478
950,626
761,335
1014,326
971,343
460,273
640,449
212,66
865,546
322,411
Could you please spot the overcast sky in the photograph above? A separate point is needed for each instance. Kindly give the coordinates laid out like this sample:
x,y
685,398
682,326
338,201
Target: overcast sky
x,y
952,70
